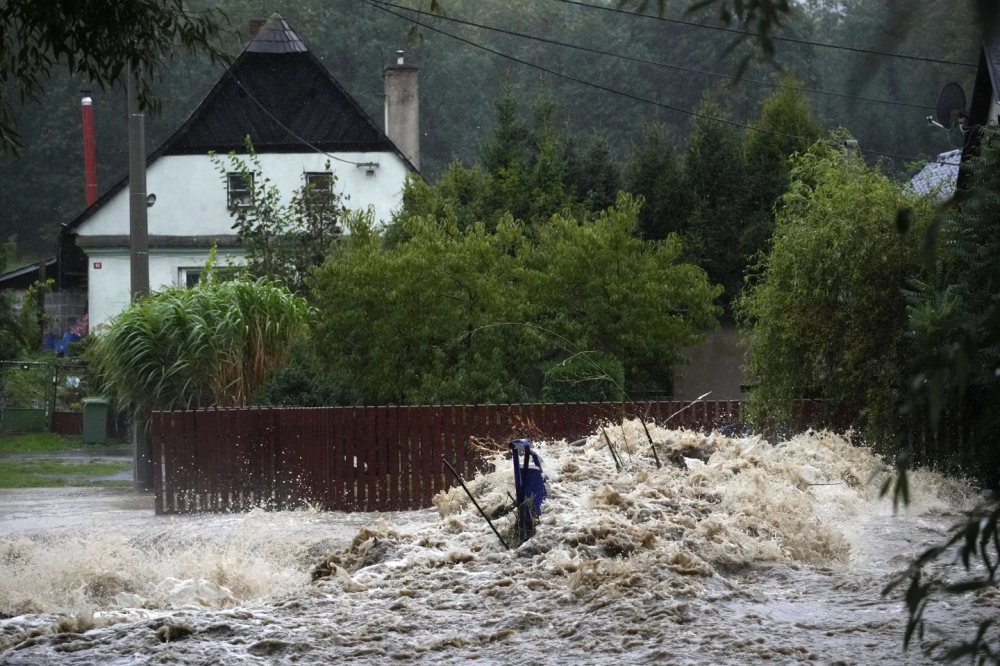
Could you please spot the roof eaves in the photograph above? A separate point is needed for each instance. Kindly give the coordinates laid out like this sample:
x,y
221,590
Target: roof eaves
x,y
24,270
991,49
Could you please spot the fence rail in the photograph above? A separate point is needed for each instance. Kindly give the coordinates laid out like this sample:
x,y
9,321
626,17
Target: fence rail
x,y
365,458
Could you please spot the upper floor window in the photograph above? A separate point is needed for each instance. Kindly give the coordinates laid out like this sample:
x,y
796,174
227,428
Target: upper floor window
x,y
320,181
239,190
319,190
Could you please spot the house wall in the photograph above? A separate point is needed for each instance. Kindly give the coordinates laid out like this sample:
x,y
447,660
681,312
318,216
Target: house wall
x,y
64,309
109,285
191,198
715,366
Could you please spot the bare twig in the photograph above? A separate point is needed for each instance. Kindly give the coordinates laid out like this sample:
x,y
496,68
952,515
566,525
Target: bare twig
x,y
693,403
611,447
481,512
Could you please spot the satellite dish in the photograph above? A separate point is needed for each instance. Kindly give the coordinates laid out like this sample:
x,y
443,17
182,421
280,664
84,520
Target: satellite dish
x,y
950,103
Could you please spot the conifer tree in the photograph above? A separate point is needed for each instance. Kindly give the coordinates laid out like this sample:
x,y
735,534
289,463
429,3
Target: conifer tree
x,y
787,128
716,178
656,172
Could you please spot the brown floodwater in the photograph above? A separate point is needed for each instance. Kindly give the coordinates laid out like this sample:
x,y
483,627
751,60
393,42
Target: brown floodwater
x,y
736,551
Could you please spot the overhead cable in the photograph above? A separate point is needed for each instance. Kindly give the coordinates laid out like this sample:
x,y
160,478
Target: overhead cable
x,y
655,63
791,40
598,86
286,128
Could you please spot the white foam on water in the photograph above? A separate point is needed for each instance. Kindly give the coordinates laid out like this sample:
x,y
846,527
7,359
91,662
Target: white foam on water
x,y
735,550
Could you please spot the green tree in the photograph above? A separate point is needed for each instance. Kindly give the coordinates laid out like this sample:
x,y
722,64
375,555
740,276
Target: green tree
x,y
716,176
97,40
656,172
474,315
10,337
415,322
605,290
825,316
525,171
599,176
788,129
283,241
303,382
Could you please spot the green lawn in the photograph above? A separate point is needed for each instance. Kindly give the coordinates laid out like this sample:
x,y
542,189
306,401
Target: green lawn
x,y
43,473
49,441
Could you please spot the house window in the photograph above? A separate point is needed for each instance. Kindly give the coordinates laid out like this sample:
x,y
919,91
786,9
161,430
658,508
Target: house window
x,y
319,189
190,277
239,190
320,181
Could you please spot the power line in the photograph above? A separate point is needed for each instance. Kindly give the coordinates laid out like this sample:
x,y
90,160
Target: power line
x,y
587,49
790,40
598,86
285,127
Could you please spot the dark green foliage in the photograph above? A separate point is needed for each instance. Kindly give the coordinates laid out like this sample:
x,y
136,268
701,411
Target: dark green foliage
x,y
303,382
599,178
784,115
96,40
473,315
716,177
585,378
656,172
10,338
825,317
954,314
524,172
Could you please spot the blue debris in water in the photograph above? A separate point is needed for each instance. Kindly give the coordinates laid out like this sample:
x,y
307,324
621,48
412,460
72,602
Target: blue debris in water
x,y
529,486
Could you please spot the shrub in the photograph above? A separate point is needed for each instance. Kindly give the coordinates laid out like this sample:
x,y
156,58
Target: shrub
x,y
825,317
585,378
303,382
213,344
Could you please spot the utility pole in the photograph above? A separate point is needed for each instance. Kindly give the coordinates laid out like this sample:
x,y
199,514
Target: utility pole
x,y
142,443
138,226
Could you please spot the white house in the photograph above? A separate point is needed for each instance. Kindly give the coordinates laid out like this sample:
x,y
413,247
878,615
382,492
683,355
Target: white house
x,y
298,118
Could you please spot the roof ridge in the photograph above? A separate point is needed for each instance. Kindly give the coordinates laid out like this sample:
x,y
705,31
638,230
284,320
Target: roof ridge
x,y
276,36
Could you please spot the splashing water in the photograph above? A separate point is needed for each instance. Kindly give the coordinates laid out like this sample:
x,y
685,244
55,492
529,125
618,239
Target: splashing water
x,y
736,550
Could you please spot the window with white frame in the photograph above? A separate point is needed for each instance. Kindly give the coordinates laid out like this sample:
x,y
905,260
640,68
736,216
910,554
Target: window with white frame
x,y
188,277
320,181
319,188
239,190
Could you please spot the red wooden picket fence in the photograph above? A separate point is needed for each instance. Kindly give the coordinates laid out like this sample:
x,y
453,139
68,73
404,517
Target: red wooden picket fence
x,y
365,458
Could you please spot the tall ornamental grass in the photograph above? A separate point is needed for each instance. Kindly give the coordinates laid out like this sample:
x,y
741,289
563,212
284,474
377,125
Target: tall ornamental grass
x,y
211,345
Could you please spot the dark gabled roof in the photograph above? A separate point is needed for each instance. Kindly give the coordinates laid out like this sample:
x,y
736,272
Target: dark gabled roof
x,y
276,37
987,86
991,51
24,277
278,93
277,83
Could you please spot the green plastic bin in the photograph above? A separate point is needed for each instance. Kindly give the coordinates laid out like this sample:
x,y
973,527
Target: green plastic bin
x,y
95,420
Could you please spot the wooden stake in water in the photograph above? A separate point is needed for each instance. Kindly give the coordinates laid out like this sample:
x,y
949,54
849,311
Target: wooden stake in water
x,y
481,512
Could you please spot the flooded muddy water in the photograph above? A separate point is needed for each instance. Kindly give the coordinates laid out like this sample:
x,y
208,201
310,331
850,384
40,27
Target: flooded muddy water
x,y
735,552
